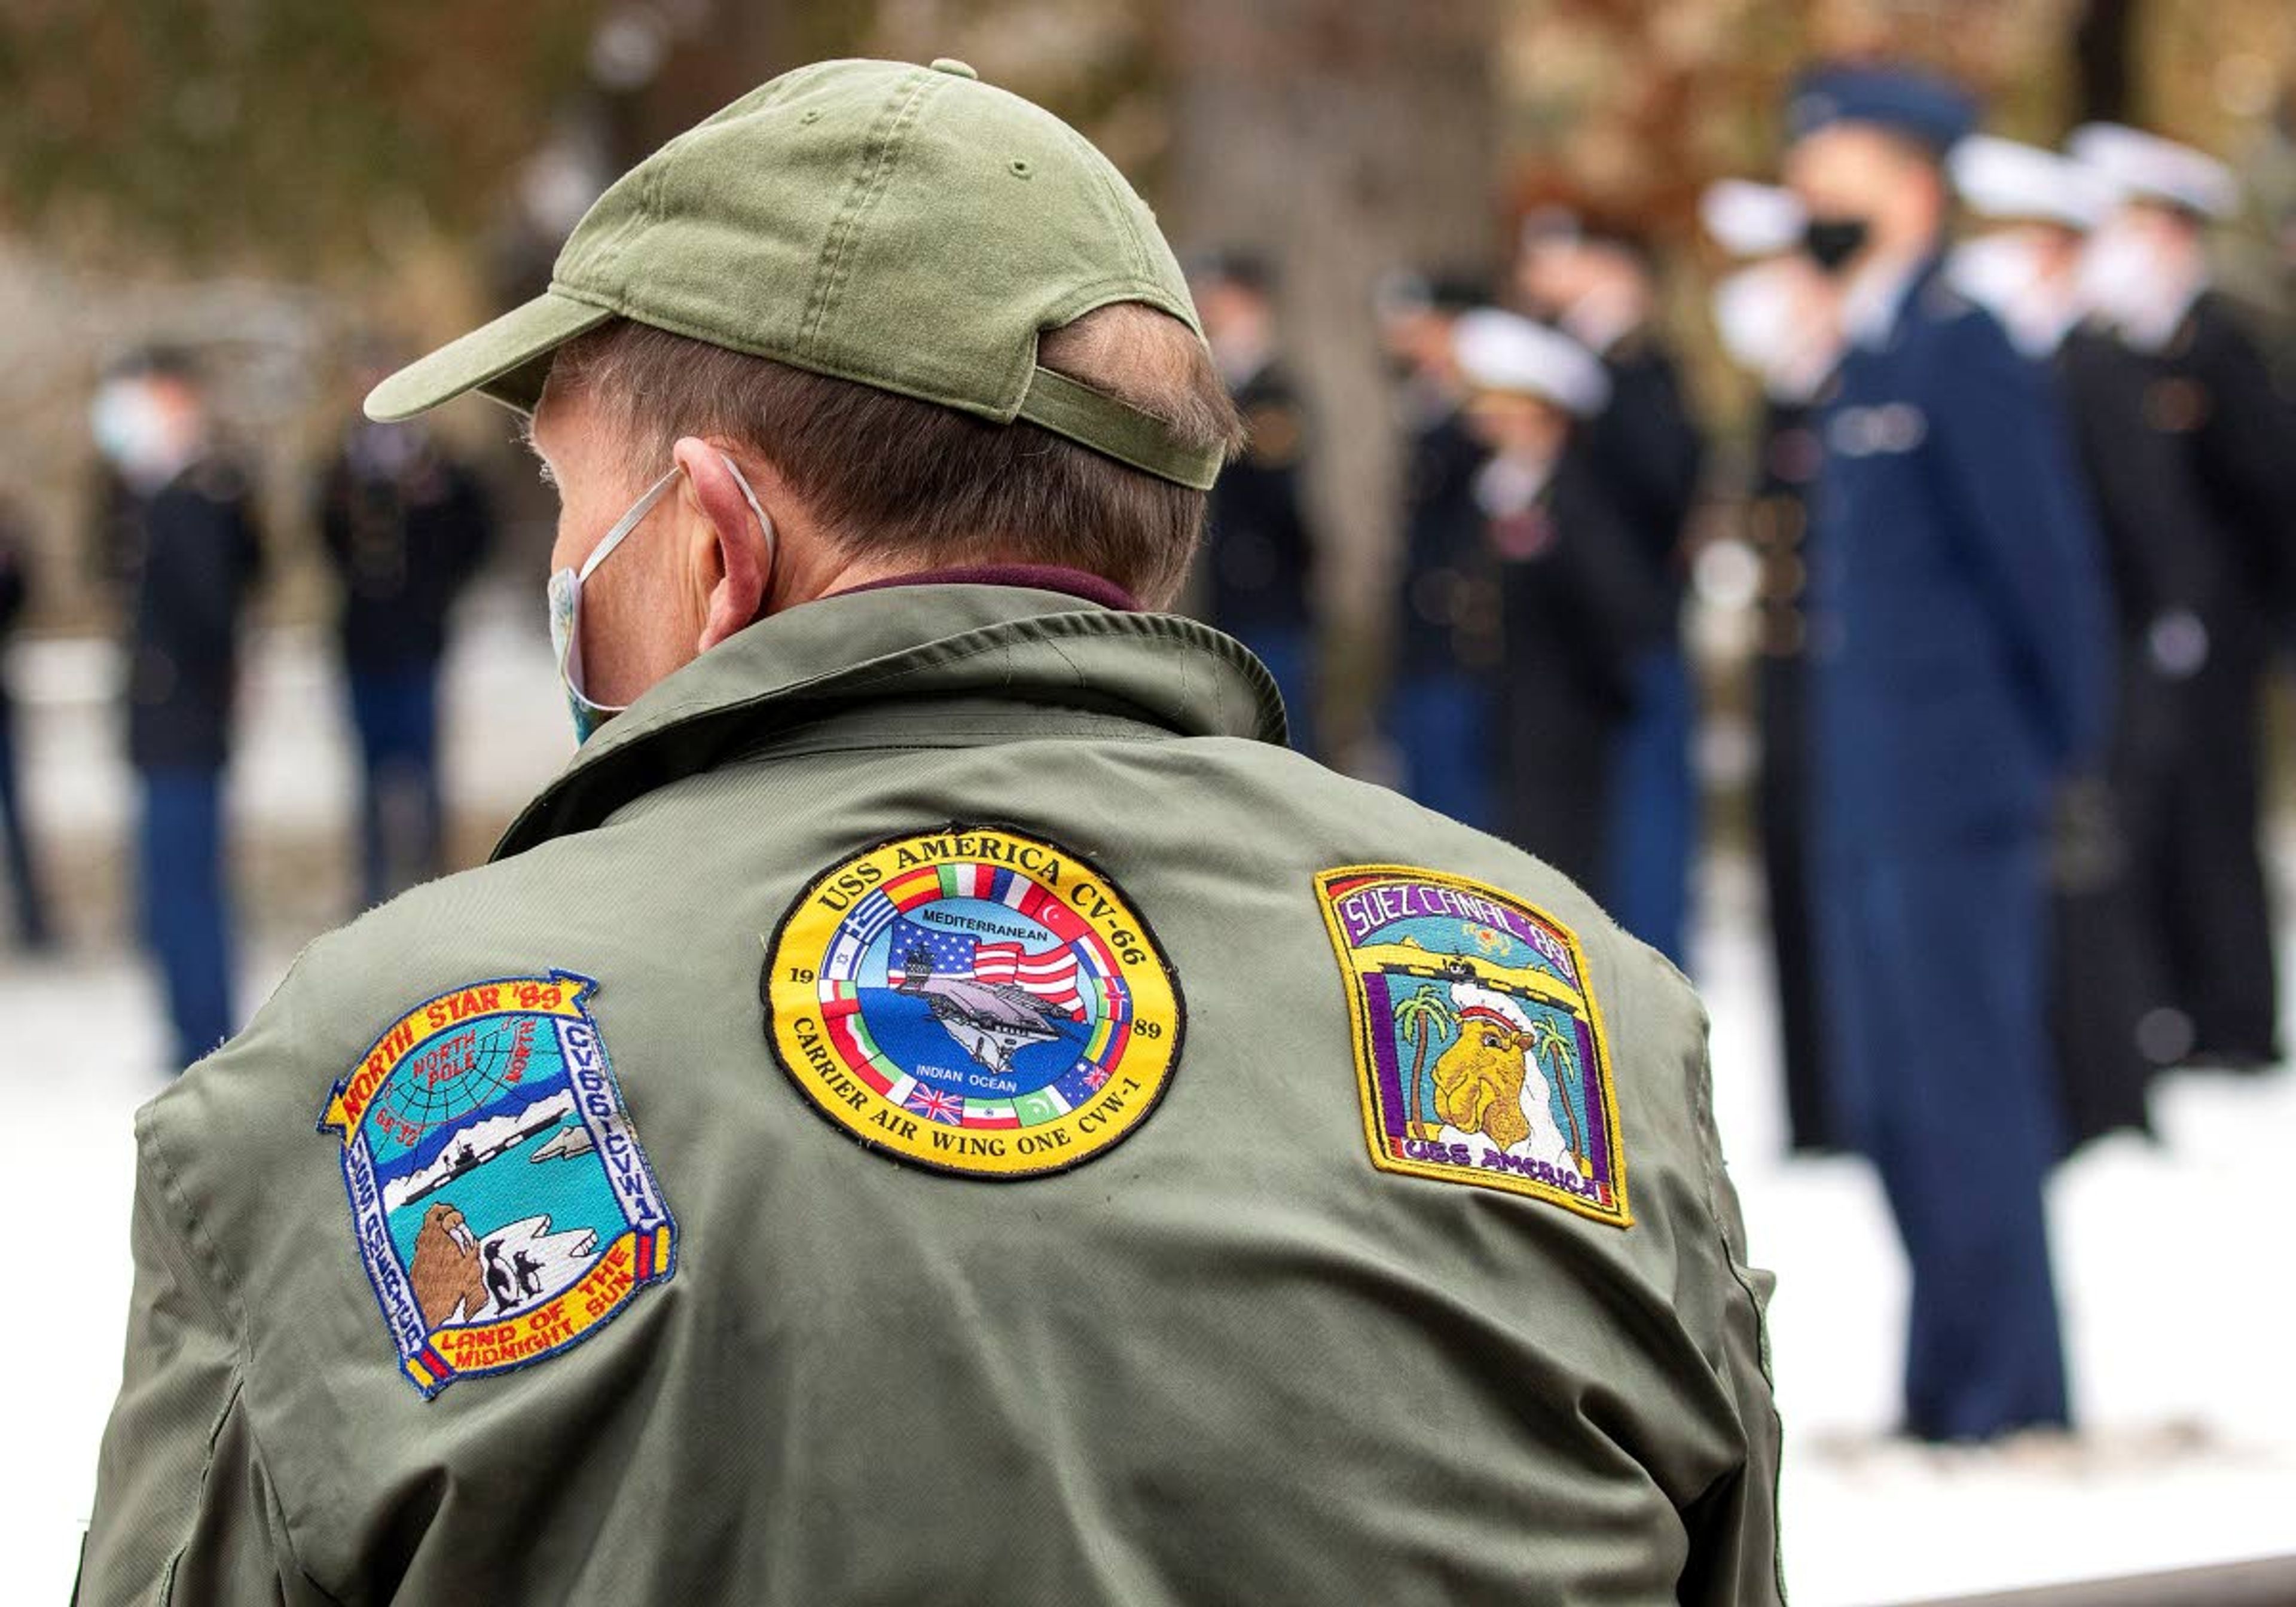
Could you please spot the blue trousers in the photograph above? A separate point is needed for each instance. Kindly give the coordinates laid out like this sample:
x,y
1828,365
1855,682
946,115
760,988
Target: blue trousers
x,y
1654,830
402,814
1935,969
1289,651
16,844
1442,724
186,908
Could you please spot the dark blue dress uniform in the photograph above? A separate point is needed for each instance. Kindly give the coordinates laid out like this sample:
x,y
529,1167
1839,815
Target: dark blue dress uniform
x,y
2189,447
1645,450
1446,635
189,553
1778,523
15,834
1959,659
1258,549
1579,612
404,533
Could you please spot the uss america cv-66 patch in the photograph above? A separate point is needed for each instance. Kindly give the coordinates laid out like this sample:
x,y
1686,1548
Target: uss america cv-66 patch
x,y
974,1001
1479,1044
504,1209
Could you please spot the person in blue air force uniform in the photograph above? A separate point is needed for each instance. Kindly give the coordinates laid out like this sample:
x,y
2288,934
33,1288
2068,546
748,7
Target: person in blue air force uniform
x,y
1959,669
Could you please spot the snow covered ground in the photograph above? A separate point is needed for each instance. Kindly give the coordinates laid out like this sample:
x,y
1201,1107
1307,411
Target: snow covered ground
x,y
2175,1259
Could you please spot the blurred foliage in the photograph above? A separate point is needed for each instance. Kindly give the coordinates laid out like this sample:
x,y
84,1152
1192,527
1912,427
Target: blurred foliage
x,y
304,133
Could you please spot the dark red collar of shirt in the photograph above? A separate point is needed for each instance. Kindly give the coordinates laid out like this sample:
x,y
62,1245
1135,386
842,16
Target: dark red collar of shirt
x,y
1035,577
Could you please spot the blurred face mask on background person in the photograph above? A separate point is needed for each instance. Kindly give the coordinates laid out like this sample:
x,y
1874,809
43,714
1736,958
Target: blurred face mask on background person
x,y
2006,274
1833,241
2127,280
138,433
565,597
1754,314
1772,320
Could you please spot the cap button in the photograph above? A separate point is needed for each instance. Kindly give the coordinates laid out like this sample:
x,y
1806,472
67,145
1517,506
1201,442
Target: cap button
x,y
953,68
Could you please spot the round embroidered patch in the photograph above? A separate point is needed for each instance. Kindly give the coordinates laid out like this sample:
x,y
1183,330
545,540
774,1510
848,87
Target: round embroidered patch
x,y
974,1001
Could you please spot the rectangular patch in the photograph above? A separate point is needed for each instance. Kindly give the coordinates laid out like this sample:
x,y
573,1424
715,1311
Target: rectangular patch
x,y
1479,1044
501,1205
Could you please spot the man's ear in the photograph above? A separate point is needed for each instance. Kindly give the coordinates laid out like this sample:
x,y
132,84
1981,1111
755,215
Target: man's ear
x,y
732,555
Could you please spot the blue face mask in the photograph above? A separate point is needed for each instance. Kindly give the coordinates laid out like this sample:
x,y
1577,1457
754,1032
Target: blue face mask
x,y
565,593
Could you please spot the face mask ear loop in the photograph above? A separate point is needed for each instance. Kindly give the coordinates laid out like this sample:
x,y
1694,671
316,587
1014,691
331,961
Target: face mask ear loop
x,y
764,525
627,523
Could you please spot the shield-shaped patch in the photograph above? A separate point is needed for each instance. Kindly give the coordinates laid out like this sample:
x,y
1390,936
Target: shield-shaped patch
x,y
503,1207
1479,1043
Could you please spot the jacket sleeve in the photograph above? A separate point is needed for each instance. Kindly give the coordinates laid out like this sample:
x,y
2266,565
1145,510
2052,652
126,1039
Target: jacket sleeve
x,y
1735,1560
2017,503
184,1511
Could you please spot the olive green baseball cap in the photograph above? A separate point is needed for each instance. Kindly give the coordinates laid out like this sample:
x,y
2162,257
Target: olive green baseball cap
x,y
909,228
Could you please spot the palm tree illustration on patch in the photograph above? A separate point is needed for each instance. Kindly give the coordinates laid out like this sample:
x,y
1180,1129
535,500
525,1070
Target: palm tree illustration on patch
x,y
1421,1019
1548,1041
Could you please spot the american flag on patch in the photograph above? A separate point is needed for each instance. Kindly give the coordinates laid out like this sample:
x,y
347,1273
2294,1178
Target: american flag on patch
x,y
1050,975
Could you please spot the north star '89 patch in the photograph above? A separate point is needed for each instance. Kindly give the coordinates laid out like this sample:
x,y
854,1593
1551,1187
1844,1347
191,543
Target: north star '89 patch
x,y
503,1207
1479,1044
974,1001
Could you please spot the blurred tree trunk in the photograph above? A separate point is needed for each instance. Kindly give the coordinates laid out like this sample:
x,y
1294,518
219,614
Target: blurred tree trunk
x,y
1340,139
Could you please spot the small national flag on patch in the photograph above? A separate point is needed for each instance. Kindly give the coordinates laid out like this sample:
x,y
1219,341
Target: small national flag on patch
x,y
1036,1109
934,1105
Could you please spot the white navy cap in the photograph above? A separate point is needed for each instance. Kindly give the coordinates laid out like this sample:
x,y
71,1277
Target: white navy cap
x,y
1506,352
1999,178
1747,219
2146,167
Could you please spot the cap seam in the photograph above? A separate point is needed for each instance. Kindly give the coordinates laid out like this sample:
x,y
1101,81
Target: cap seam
x,y
829,278
612,248
1103,171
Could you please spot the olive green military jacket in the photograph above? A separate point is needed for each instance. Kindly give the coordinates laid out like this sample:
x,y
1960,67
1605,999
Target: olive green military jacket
x,y
937,1104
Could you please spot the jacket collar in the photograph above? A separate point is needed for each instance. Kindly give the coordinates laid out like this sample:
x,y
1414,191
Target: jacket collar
x,y
1021,645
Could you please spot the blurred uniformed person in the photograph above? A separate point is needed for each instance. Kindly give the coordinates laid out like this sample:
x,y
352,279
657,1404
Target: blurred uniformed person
x,y
15,831
1959,670
1438,712
935,1102
2188,444
1597,283
1778,320
405,525
1259,554
1578,602
178,533
2031,213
